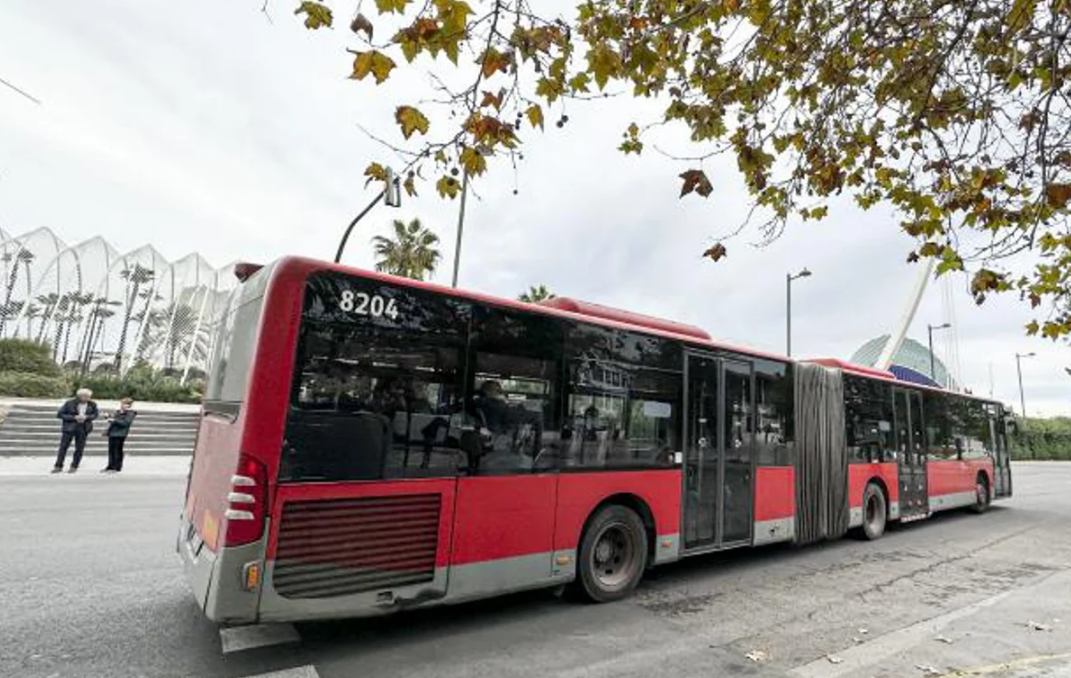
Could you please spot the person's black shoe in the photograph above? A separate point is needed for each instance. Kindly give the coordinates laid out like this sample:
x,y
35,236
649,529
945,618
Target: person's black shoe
x,y
73,469
106,470
57,469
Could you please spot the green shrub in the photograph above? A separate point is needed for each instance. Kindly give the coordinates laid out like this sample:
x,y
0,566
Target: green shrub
x,y
139,384
33,385
28,357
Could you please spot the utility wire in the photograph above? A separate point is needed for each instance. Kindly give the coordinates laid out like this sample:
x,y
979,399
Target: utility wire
x,y
20,91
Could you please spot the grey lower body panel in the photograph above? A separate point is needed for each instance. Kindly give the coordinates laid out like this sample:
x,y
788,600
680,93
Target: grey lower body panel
x,y
216,577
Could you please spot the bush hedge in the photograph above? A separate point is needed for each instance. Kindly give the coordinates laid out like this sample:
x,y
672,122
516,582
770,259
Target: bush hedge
x,y
1043,439
28,357
28,371
30,385
140,383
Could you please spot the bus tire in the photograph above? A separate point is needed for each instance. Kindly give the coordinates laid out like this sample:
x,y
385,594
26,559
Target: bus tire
x,y
613,555
981,494
875,512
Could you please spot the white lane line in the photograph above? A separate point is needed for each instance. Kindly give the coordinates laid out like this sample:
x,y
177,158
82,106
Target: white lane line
x,y
868,654
299,672
881,648
238,638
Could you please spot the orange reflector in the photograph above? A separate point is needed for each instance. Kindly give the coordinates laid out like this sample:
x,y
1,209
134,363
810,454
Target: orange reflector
x,y
667,543
251,576
564,560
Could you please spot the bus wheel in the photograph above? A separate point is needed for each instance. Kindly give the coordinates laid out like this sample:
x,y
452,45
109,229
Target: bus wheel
x,y
613,555
874,512
981,494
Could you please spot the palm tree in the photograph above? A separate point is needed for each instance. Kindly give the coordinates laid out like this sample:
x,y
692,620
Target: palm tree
x,y
135,278
176,333
412,252
536,293
11,309
49,302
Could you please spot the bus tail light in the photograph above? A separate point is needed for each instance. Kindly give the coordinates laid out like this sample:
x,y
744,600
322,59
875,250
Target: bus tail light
x,y
247,503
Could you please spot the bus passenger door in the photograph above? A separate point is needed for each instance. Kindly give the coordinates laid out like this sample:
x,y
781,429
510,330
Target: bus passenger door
x,y
719,458
737,445
911,455
701,478
1001,456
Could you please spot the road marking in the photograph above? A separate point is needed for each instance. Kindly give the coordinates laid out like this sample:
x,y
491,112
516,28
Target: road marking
x,y
1012,665
872,652
238,638
883,647
299,672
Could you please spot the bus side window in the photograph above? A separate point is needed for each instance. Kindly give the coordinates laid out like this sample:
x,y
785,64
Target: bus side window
x,y
514,376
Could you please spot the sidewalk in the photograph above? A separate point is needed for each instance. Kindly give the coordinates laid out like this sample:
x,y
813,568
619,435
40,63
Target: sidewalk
x,y
132,465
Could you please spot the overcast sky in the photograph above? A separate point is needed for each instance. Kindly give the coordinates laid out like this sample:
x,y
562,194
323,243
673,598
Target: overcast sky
x,y
200,126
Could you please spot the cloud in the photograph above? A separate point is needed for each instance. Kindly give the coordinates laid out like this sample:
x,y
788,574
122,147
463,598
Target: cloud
x,y
209,129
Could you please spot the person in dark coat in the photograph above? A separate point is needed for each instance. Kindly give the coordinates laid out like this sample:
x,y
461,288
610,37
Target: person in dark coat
x,y
118,430
78,415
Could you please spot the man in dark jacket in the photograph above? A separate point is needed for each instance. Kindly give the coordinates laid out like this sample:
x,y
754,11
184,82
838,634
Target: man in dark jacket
x,y
77,414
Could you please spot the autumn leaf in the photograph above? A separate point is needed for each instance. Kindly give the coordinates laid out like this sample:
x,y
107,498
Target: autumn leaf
x,y
491,99
317,15
473,161
360,24
1021,14
695,180
385,6
535,115
1032,327
411,120
410,185
1058,195
375,172
716,252
494,61
447,186
375,62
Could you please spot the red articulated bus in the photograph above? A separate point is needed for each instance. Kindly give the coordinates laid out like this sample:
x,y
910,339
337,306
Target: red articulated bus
x,y
369,444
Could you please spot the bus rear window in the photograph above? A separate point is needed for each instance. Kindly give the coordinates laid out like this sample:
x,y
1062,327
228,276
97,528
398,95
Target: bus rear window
x,y
235,343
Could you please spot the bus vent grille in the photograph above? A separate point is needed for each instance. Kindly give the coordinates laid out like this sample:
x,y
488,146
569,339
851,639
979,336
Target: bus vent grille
x,y
344,546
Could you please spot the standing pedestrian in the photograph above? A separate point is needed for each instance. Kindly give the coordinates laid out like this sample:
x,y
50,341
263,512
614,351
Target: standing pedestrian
x,y
77,414
118,430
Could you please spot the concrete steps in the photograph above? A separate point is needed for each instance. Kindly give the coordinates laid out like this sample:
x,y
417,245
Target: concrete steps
x,y
32,429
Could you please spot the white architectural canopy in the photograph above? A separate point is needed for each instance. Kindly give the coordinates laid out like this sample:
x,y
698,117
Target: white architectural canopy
x,y
108,311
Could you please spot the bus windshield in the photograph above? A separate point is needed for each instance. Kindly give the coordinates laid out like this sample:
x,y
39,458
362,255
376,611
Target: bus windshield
x,y
234,345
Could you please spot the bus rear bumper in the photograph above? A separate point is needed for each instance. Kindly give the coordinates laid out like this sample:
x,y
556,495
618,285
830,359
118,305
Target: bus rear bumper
x,y
216,578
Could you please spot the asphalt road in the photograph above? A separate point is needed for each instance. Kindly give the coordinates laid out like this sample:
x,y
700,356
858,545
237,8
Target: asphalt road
x,y
90,586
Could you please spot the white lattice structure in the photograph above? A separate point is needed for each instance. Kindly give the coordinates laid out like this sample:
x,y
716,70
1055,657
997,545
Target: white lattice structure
x,y
104,310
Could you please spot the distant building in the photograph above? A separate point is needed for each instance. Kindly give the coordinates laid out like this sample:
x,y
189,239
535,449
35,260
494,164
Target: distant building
x,y
109,311
911,363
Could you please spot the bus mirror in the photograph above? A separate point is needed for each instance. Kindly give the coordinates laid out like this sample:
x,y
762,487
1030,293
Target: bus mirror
x,y
392,192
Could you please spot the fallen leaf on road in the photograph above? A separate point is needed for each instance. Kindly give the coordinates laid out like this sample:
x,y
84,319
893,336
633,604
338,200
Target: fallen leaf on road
x,y
927,670
858,640
834,660
864,631
756,656
942,639
1038,627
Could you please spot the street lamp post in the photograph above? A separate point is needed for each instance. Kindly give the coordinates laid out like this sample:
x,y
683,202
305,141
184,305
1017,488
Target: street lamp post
x,y
1019,369
391,192
788,307
929,331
